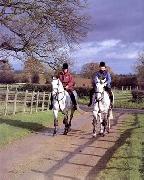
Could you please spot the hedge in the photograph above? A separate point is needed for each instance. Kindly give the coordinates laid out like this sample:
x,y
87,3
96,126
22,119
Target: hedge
x,y
138,95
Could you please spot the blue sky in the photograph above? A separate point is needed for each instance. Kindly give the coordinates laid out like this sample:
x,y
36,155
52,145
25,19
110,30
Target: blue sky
x,y
116,34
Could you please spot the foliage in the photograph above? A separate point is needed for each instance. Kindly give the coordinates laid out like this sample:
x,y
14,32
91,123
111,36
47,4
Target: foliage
x,y
41,29
6,72
138,95
35,87
124,80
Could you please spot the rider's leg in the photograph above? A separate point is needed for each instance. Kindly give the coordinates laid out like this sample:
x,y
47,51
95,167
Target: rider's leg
x,y
108,89
73,99
51,102
91,96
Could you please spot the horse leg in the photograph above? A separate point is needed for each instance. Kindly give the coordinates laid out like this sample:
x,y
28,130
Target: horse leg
x,y
109,117
65,122
71,116
94,122
102,125
55,112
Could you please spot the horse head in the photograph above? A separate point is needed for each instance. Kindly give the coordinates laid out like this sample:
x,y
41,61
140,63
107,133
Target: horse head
x,y
101,83
57,86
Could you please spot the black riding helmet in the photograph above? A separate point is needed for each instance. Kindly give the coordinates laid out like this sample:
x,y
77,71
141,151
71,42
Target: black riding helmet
x,y
65,65
102,64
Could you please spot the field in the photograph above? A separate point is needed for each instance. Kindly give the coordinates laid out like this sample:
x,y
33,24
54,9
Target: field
x,y
122,99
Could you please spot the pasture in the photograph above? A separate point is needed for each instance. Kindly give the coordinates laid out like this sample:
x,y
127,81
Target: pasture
x,y
122,99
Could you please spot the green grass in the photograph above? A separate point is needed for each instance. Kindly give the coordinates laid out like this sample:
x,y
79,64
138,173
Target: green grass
x,y
15,127
127,162
123,99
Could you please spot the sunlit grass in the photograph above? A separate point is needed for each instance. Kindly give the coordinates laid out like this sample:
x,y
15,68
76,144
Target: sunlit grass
x,y
127,161
13,127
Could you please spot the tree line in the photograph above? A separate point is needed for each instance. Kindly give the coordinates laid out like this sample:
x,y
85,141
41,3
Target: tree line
x,y
34,70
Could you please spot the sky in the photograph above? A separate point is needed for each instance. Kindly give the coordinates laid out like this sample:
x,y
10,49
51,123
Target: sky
x,y
116,35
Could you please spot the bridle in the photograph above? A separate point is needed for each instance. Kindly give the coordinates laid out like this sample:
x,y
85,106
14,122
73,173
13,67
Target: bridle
x,y
56,92
102,96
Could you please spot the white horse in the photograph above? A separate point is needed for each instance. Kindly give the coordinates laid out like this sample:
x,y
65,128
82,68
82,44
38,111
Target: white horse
x,y
61,102
102,113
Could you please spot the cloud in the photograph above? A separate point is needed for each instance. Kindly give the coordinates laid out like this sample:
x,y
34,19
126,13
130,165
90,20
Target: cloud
x,y
111,19
121,56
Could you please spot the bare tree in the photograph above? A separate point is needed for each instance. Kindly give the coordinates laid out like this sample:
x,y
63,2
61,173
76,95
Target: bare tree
x,y
89,69
43,29
6,72
140,66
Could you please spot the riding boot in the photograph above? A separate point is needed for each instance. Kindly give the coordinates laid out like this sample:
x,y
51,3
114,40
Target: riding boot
x,y
111,102
51,102
108,89
91,97
73,100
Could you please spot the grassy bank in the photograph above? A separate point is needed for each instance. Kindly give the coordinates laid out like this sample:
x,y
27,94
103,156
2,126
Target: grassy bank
x,y
15,127
127,162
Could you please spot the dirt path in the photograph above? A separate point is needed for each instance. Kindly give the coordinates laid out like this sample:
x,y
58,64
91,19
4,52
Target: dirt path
x,y
75,156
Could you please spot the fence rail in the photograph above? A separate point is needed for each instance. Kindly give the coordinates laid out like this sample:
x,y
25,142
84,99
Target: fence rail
x,y
12,102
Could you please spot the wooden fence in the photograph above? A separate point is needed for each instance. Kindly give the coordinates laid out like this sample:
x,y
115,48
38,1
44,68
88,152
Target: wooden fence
x,y
12,102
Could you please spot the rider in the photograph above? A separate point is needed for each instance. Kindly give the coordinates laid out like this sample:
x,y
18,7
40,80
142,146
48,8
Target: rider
x,y
68,83
102,74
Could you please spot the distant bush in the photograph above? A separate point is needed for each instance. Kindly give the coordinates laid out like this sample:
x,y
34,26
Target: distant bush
x,y
82,91
138,95
35,87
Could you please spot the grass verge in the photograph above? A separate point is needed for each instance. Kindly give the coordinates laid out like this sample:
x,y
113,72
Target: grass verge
x,y
128,160
14,127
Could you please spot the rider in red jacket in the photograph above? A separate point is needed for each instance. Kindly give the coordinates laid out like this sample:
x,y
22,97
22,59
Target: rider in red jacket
x,y
68,83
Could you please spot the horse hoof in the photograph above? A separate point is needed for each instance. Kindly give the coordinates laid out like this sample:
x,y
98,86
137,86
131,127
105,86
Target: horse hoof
x,y
69,129
65,133
94,135
54,134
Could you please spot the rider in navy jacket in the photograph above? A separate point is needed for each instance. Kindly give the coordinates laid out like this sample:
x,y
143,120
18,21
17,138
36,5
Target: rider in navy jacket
x,y
102,74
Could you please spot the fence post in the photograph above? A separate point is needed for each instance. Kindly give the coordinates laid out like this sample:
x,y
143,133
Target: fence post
x,y
6,101
25,100
15,101
43,101
32,98
37,101
48,101
122,88
130,88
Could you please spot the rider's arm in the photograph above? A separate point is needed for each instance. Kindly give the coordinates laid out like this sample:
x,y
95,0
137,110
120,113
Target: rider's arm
x,y
71,81
96,78
108,78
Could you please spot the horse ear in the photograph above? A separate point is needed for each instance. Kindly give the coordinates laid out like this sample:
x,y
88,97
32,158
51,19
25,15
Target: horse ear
x,y
54,77
103,81
98,80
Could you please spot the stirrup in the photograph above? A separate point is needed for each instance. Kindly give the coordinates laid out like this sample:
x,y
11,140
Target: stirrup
x,y
50,107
